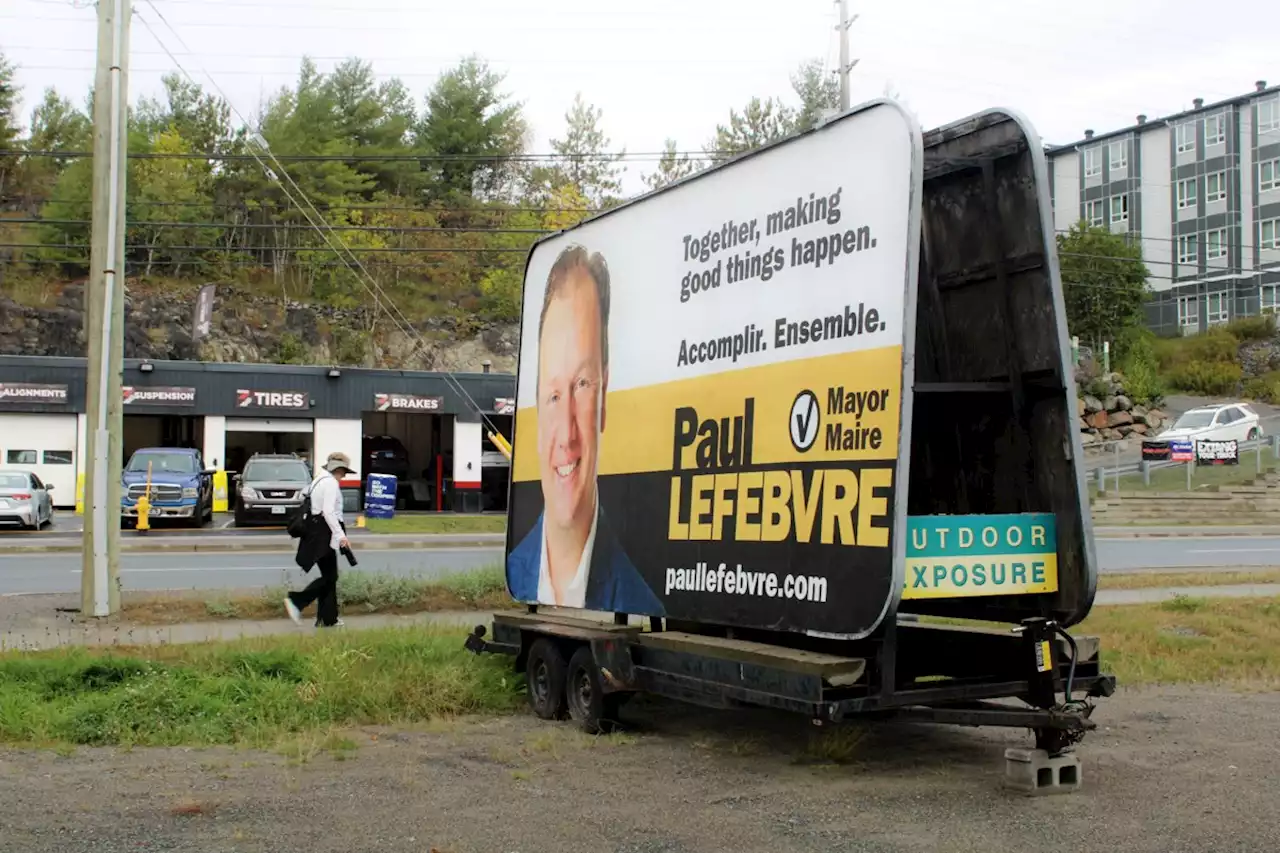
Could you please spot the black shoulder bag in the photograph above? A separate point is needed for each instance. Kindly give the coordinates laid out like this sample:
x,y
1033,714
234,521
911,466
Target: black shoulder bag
x,y
301,518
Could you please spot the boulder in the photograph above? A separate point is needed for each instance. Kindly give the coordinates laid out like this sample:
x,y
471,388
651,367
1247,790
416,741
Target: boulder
x,y
1123,403
1091,439
1080,407
1138,429
1139,412
1111,404
1099,420
1119,419
1112,435
1092,404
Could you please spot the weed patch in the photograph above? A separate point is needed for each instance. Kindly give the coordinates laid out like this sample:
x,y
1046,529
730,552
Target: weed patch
x,y
255,692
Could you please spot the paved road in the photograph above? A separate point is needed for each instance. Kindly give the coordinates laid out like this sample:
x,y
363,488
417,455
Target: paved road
x,y
1211,552
27,573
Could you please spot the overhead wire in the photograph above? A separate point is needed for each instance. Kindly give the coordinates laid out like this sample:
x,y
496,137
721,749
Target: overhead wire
x,y
371,284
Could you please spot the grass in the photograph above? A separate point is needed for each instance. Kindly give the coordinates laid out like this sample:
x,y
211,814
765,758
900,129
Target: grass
x,y
358,593
1158,580
439,523
1185,640
288,693
1191,641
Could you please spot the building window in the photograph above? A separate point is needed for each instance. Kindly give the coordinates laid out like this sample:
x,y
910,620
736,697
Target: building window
x,y
1189,312
1186,193
1093,212
1270,298
1215,187
1216,308
1269,115
1186,137
1268,175
58,457
1269,234
1215,130
22,457
1189,249
1120,208
1092,162
1215,243
1118,155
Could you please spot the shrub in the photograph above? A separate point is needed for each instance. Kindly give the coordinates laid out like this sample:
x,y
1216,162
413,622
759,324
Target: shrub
x,y
1264,388
1214,346
1207,378
1260,328
1141,369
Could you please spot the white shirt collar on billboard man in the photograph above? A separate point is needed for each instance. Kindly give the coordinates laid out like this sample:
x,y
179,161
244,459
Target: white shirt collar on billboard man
x,y
575,594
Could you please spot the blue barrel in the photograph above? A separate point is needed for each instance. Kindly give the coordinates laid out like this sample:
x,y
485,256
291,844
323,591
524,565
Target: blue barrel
x,y
380,496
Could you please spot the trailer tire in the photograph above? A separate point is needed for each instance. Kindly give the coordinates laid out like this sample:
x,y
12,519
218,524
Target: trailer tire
x,y
593,711
545,679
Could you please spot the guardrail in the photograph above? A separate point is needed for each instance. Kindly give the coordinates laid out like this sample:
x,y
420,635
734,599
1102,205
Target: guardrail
x,y
1097,475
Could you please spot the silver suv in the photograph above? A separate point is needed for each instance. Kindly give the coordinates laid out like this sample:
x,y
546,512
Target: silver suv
x,y
270,488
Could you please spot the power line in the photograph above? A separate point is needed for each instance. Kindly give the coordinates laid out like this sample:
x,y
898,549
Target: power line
x,y
399,229
369,282
370,157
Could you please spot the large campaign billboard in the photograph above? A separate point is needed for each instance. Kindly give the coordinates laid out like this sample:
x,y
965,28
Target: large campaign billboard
x,y
710,394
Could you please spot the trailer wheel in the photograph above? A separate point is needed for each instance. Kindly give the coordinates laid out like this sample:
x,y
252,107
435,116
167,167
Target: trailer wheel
x,y
544,679
593,711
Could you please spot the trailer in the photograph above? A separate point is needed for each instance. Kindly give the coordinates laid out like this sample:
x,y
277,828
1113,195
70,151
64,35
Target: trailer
x,y
810,415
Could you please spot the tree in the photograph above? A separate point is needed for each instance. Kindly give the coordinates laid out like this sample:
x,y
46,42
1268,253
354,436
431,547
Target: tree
x,y
1105,283
588,164
170,189
759,123
671,167
818,91
469,118
8,123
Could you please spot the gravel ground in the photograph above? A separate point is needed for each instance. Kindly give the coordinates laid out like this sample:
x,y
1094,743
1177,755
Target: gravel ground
x,y
1170,770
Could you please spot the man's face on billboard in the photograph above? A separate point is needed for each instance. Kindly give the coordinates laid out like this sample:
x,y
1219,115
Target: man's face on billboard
x,y
571,385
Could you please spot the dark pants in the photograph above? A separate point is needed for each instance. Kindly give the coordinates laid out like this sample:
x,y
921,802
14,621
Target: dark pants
x,y
323,590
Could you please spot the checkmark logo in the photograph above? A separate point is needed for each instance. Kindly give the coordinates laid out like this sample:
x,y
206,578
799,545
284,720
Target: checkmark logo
x,y
805,420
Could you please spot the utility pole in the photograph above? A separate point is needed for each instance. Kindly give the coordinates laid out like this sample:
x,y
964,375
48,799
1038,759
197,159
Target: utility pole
x,y
845,65
104,295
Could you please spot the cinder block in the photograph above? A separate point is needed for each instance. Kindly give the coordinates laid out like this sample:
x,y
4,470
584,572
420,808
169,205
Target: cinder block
x,y
1033,772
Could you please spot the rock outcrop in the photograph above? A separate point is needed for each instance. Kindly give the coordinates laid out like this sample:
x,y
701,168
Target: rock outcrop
x,y
253,328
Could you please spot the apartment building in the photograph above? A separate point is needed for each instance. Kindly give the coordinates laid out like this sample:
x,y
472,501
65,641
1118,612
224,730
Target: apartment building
x,y
1201,191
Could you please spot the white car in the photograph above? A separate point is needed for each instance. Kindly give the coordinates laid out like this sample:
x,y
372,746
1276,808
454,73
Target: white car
x,y
1215,423
24,500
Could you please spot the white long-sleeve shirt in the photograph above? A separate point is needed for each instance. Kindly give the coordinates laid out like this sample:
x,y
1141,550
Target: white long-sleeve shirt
x,y
326,502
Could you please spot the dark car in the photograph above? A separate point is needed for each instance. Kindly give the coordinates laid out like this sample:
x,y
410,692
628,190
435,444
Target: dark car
x,y
385,454
270,488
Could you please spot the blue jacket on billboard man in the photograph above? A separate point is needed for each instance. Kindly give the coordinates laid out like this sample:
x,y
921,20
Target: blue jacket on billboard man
x,y
571,557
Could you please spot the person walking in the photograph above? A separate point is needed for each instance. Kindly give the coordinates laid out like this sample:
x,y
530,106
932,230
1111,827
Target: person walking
x,y
325,536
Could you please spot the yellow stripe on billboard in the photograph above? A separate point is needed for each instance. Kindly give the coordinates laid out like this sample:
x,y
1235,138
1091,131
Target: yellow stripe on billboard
x,y
758,416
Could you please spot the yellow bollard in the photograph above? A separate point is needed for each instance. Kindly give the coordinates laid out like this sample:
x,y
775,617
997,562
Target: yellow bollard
x,y
79,494
220,501
360,520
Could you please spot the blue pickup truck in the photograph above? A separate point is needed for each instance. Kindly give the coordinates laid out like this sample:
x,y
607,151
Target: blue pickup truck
x,y
181,487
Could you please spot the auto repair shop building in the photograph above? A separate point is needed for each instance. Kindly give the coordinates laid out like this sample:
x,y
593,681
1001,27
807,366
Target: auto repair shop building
x,y
426,423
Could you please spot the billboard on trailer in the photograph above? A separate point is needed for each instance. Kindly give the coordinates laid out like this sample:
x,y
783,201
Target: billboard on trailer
x,y
710,397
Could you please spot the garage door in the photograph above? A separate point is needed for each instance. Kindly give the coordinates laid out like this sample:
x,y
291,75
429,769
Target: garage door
x,y
44,445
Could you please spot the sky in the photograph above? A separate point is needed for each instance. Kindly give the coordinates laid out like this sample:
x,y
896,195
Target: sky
x,y
674,68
